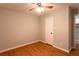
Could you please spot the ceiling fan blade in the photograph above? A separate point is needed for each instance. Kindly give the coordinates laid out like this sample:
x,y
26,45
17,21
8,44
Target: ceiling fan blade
x,y
32,9
48,7
34,3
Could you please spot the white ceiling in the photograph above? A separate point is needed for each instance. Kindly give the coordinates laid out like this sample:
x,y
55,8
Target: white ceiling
x,y
24,7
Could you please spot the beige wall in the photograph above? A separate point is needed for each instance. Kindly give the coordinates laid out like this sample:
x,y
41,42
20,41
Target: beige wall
x,y
17,28
42,23
61,29
61,16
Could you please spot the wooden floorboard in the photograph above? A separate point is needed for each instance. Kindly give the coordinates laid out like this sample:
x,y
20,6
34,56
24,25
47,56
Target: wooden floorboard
x,y
39,49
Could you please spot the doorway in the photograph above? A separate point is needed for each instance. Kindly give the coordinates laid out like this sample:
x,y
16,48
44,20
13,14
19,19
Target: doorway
x,y
76,30
72,27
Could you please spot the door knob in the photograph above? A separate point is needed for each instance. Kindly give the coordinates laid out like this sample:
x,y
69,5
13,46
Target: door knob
x,y
51,33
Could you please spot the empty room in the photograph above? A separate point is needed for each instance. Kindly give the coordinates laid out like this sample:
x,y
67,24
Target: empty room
x,y
38,29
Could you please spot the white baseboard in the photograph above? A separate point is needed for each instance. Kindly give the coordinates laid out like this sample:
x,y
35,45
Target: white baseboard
x,y
31,43
18,46
62,49
58,47
43,41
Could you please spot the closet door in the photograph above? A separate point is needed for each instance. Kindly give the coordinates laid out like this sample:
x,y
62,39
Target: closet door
x,y
49,30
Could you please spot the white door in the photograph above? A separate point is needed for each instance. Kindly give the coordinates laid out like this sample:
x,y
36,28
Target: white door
x,y
49,30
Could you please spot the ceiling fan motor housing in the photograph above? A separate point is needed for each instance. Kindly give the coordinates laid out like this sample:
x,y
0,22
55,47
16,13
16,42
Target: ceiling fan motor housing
x,y
39,4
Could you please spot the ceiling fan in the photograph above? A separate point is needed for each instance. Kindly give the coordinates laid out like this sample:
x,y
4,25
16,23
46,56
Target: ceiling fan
x,y
40,7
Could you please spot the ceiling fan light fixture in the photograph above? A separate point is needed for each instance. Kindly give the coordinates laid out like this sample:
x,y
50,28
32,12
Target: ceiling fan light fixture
x,y
40,9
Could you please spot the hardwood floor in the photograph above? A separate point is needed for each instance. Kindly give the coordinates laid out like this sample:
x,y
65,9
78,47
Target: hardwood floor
x,y
39,49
